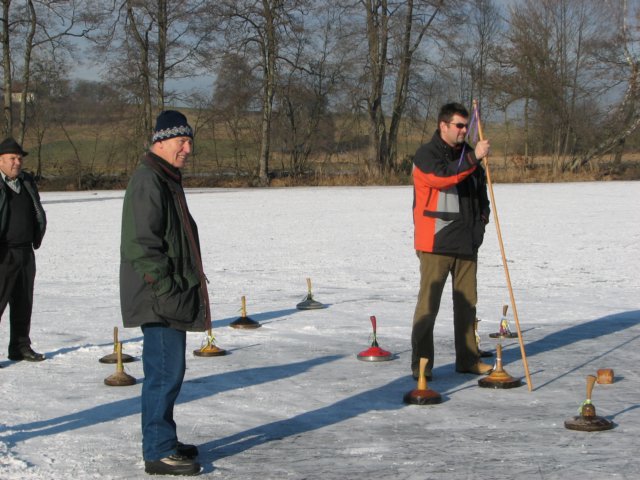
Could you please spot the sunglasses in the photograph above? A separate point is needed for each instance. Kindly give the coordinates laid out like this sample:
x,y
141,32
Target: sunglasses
x,y
459,126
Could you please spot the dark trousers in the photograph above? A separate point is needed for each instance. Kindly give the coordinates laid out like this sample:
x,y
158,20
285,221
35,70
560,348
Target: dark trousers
x,y
17,275
434,270
163,363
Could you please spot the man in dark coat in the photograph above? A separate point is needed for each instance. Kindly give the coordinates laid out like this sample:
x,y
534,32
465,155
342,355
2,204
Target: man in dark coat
x,y
450,210
22,226
162,287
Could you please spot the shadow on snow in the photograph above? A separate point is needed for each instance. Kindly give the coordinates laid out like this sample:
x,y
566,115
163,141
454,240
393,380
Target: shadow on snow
x,y
385,397
131,406
611,324
389,396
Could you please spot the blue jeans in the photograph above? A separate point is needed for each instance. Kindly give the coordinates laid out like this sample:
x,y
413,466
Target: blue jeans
x,y
163,362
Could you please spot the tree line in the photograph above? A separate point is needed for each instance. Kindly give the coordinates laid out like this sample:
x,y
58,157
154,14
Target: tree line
x,y
293,80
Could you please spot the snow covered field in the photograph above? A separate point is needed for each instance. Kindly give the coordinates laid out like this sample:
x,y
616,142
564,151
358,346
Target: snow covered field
x,y
291,401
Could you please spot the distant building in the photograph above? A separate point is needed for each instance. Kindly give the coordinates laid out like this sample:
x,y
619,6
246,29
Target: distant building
x,y
18,94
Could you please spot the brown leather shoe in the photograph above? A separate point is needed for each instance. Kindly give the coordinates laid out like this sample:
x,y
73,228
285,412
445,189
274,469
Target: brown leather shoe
x,y
477,369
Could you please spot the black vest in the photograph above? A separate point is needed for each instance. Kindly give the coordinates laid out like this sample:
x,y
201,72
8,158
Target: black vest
x,y
20,229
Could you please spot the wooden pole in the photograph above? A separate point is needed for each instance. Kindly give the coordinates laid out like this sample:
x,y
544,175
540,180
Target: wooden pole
x,y
504,257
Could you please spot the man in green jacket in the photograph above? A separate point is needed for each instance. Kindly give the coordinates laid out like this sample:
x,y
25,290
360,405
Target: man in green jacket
x,y
162,287
22,226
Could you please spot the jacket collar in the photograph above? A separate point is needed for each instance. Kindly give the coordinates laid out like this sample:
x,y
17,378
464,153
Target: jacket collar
x,y
15,184
163,167
5,178
453,150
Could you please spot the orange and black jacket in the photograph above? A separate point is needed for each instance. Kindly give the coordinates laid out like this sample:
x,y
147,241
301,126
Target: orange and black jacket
x,y
450,203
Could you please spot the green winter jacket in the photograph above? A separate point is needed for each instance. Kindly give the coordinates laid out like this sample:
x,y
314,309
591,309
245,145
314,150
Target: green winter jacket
x,y
41,218
161,277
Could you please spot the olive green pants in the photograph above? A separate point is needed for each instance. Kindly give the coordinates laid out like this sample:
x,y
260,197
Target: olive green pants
x,y
434,270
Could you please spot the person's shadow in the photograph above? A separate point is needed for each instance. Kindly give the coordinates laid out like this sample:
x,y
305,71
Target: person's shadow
x,y
192,389
385,397
611,324
389,396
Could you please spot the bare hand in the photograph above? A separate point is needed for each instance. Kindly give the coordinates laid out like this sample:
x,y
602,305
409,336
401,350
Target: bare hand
x,y
482,149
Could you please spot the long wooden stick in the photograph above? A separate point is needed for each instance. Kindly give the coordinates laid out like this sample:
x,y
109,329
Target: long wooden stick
x,y
504,257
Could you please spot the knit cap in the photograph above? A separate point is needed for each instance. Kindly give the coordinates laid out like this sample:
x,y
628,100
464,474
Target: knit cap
x,y
170,124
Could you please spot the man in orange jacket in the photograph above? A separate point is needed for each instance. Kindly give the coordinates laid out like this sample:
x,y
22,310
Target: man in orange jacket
x,y
450,211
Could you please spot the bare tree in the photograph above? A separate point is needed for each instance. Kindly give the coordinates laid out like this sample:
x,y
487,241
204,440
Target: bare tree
x,y
625,62
235,98
475,46
307,82
414,19
6,65
26,72
39,27
259,30
51,91
148,42
550,56
140,35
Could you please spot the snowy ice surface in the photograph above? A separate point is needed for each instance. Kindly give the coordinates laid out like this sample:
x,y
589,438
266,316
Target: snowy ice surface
x,y
291,400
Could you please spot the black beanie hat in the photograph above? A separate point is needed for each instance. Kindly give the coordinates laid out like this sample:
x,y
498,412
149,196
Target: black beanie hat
x,y
169,124
9,145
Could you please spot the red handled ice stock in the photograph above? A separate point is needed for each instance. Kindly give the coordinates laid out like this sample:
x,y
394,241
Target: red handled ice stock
x,y
374,353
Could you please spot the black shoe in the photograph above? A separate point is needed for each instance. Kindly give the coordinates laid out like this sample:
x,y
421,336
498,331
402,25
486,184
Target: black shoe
x,y
26,353
485,354
187,450
172,465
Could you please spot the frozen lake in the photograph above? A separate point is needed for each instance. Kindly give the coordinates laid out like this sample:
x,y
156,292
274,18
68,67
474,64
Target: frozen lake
x,y
291,401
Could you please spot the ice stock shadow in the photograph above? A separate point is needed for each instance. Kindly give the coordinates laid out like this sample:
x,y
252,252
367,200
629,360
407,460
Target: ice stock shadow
x,y
588,330
622,412
263,317
258,317
191,390
63,351
599,327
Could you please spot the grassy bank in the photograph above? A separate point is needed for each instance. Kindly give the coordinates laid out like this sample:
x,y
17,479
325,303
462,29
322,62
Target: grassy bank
x,y
89,157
